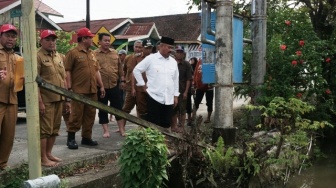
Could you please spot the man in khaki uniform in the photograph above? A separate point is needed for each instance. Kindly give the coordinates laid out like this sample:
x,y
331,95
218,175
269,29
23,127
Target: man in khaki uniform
x,y
111,71
130,62
50,67
140,94
83,75
8,98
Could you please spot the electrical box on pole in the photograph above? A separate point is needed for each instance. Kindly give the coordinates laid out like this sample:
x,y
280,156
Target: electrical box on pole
x,y
209,52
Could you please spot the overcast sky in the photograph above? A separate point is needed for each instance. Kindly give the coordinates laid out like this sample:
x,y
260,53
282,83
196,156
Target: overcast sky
x,y
75,10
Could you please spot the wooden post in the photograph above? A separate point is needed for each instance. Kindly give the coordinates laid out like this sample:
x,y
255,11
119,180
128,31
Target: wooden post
x,y
30,56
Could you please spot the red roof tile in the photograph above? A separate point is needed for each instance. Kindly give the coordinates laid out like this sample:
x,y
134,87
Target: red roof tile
x,y
95,25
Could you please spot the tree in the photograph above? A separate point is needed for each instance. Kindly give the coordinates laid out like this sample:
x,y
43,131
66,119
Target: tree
x,y
63,41
322,14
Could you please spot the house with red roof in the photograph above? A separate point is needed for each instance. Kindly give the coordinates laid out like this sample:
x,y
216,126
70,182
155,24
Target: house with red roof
x,y
184,28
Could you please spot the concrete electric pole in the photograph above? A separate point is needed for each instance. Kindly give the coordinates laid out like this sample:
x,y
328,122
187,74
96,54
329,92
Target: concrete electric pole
x,y
30,67
258,65
223,125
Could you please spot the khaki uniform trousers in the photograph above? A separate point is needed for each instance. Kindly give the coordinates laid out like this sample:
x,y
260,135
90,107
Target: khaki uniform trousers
x,y
141,102
50,122
129,102
82,116
8,116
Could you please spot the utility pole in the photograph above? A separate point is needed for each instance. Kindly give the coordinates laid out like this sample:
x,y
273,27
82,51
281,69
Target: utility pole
x,y
258,64
30,58
88,14
223,125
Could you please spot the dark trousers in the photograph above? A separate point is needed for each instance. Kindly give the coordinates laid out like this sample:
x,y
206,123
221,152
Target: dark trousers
x,y
158,113
122,97
189,103
122,94
209,94
112,95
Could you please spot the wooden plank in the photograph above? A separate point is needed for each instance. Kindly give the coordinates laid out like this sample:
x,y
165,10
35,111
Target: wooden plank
x,y
74,96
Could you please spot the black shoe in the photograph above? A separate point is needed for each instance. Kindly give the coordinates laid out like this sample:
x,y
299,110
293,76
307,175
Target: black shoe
x,y
72,144
89,142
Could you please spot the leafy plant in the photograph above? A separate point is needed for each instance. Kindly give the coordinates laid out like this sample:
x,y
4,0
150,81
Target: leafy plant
x,y
143,159
63,41
221,159
250,165
16,177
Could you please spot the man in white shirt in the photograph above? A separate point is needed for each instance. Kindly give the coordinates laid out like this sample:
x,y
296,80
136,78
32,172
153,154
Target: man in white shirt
x,y
162,85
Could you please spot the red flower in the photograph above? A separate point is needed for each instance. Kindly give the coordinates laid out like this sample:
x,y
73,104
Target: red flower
x,y
301,43
327,91
301,61
294,62
287,22
299,95
298,53
283,47
328,60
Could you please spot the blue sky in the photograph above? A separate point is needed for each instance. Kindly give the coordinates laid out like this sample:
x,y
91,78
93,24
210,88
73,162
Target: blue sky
x,y
75,10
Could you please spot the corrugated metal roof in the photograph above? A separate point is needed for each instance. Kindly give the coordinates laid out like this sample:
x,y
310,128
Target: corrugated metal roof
x,y
181,27
45,9
139,29
5,3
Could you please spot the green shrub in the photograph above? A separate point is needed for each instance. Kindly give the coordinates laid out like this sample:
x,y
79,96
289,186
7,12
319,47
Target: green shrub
x,y
143,159
16,177
222,159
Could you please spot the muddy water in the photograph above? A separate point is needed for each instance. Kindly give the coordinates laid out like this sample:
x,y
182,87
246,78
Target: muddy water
x,y
322,174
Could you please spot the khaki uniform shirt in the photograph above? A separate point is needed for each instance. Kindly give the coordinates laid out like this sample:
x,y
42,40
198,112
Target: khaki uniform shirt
x,y
137,61
51,68
8,60
110,67
130,62
83,66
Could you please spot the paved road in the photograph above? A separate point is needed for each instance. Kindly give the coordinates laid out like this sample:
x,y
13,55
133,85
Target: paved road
x,y
114,143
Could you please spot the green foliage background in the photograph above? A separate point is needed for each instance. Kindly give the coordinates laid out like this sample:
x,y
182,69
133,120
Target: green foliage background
x,y
311,77
63,41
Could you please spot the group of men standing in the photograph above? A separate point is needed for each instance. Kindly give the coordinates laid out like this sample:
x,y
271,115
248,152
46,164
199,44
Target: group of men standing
x,y
156,83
